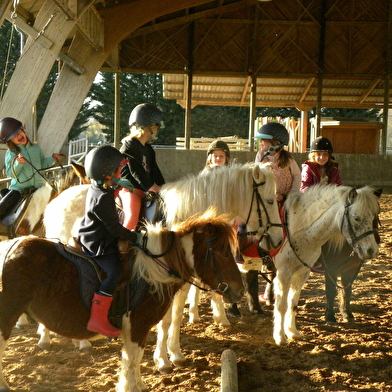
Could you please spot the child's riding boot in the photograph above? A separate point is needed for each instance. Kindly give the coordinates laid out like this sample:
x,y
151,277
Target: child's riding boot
x,y
99,317
8,201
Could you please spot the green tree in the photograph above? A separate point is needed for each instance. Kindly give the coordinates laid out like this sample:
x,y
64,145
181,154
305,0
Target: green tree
x,y
135,89
9,53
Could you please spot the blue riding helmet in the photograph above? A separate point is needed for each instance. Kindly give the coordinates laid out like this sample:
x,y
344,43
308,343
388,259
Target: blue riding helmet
x,y
274,131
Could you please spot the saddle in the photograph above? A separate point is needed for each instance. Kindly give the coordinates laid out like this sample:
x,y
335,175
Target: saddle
x,y
16,213
128,294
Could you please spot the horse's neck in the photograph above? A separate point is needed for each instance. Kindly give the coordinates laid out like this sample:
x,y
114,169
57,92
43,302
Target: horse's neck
x,y
312,227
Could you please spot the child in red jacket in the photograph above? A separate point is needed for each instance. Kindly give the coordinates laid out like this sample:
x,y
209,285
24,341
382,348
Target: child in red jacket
x,y
320,168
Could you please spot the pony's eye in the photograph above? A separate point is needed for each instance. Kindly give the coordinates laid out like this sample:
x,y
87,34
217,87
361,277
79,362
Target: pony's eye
x,y
270,201
357,219
224,255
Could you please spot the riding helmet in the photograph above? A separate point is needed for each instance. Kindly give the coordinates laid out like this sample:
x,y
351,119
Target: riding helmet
x,y
102,162
9,127
145,114
274,131
321,144
218,145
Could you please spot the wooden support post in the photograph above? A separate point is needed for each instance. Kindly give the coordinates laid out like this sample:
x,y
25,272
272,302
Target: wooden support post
x,y
229,374
117,106
36,61
189,81
252,117
304,130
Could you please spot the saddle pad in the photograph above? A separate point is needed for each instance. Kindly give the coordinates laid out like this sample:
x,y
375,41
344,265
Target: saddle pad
x,y
126,298
89,279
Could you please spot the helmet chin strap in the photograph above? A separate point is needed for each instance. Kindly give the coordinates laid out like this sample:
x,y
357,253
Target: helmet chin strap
x,y
271,149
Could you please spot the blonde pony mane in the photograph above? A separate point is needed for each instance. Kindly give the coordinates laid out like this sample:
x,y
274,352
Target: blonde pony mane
x,y
227,188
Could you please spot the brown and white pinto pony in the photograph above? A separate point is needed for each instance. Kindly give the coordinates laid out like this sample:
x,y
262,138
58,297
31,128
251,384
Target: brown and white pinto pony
x,y
38,280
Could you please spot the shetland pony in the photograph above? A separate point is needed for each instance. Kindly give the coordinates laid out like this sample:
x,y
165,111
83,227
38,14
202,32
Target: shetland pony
x,y
29,213
345,264
38,279
313,218
243,192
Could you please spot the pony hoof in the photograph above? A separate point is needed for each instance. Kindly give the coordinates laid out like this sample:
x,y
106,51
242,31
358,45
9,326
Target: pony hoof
x,y
331,322
164,370
258,311
234,312
43,346
180,363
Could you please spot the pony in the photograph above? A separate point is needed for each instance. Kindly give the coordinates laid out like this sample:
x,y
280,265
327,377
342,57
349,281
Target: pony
x,y
36,278
244,192
314,217
26,217
345,264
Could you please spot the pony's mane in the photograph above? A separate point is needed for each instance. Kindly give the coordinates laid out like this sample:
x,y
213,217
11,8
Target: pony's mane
x,y
227,188
159,240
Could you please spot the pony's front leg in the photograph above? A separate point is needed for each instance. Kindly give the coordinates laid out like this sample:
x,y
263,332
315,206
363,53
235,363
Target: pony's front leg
x,y
44,340
22,322
173,340
218,310
281,288
3,384
330,295
298,280
193,299
130,379
161,359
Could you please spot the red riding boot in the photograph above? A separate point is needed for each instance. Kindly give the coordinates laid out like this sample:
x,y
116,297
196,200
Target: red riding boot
x,y
99,317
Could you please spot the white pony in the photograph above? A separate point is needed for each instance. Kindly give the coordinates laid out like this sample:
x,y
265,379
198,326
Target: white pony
x,y
313,218
244,192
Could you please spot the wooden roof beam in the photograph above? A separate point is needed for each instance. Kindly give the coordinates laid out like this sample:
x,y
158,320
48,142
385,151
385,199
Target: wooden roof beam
x,y
369,90
306,89
246,88
189,18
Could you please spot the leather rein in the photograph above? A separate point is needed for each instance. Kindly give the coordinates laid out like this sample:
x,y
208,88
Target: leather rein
x,y
209,257
260,203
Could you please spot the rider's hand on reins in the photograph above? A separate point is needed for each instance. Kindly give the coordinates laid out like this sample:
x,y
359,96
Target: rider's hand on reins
x,y
20,158
58,157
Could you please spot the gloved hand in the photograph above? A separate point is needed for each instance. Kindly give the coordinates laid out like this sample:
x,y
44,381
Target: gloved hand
x,y
138,237
123,183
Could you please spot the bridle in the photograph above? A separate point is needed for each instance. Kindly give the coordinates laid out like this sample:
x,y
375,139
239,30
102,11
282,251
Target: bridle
x,y
354,239
209,257
260,203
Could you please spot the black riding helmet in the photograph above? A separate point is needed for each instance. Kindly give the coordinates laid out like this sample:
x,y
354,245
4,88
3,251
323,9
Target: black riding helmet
x,y
9,127
218,145
274,131
102,161
145,114
321,143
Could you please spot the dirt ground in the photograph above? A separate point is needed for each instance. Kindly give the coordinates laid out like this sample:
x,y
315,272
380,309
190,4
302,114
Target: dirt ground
x,y
346,357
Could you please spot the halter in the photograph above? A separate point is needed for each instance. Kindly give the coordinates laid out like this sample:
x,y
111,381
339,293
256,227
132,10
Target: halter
x,y
354,239
222,286
259,201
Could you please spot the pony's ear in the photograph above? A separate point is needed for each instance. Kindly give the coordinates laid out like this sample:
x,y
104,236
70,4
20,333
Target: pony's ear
x,y
378,192
352,195
210,230
79,170
258,174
